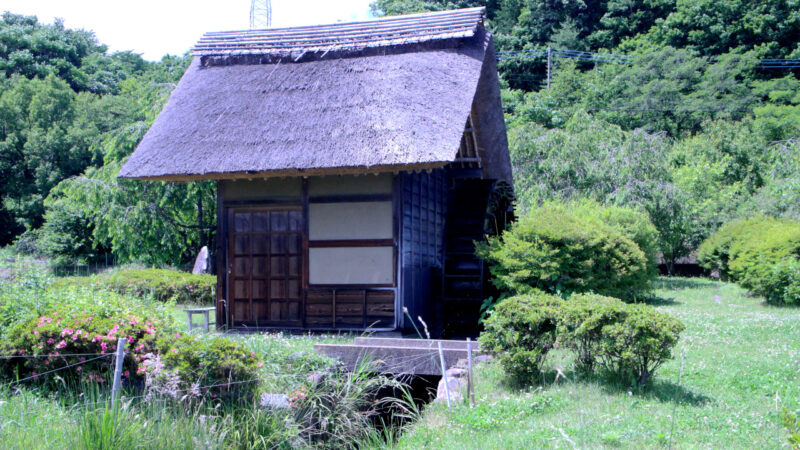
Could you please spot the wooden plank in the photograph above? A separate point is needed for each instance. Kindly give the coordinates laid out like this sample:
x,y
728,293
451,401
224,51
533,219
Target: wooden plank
x,y
351,243
350,198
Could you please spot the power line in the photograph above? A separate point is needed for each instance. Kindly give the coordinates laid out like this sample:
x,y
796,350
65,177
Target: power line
x,y
534,53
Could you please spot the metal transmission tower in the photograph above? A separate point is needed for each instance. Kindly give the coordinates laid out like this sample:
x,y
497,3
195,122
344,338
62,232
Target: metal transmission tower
x,y
260,14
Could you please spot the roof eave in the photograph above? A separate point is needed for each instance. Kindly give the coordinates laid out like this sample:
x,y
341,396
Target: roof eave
x,y
283,173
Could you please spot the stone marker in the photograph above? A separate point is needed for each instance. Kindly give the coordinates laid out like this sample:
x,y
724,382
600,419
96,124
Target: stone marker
x,y
201,262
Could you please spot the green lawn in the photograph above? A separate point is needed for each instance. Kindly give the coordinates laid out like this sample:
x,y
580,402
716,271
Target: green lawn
x,y
737,365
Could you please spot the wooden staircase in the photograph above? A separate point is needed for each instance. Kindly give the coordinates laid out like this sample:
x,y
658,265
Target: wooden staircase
x,y
463,275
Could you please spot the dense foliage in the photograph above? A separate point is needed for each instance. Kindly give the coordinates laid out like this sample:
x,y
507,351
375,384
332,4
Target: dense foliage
x,y
71,113
561,250
690,127
629,342
760,253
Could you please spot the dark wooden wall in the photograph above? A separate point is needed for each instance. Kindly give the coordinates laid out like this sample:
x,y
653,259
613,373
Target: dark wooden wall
x,y
423,211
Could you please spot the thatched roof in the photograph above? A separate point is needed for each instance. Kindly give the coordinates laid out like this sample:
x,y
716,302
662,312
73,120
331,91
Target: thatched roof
x,y
381,95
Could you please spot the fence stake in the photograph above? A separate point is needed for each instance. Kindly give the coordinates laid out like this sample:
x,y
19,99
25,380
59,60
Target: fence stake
x,y
120,357
470,386
444,376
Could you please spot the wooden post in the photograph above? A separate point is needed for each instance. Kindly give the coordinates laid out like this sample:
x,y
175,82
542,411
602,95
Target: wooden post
x,y
205,316
444,376
548,66
470,385
120,357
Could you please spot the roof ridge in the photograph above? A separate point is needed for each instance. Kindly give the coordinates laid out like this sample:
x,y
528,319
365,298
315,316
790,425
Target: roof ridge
x,y
443,13
379,32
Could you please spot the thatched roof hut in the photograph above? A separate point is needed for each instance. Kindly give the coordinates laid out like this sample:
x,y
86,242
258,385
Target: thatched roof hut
x,y
381,95
299,113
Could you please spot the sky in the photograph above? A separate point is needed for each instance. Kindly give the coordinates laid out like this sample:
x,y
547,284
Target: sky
x,y
158,27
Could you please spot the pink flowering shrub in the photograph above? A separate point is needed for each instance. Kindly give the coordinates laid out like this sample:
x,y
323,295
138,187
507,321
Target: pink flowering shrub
x,y
88,334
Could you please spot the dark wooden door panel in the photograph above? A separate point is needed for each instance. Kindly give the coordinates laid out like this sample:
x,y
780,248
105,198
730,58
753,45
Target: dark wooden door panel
x,y
266,267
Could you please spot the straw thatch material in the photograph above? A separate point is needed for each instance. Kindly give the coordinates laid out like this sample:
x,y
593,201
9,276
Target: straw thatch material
x,y
383,109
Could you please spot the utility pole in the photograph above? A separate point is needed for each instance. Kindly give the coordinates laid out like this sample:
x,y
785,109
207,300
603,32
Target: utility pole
x,y
548,66
260,14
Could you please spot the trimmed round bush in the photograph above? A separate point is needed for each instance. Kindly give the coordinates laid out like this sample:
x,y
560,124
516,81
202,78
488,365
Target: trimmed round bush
x,y
638,344
719,249
200,365
559,252
760,254
628,341
520,331
633,224
581,325
782,284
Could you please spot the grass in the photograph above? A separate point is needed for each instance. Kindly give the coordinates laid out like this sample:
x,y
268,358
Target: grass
x,y
735,368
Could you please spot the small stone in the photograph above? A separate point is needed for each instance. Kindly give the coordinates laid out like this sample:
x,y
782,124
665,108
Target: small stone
x,y
274,401
456,372
455,385
483,358
297,355
316,378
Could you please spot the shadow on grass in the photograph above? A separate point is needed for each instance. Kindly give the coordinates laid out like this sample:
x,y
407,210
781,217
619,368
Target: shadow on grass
x,y
661,301
678,283
657,389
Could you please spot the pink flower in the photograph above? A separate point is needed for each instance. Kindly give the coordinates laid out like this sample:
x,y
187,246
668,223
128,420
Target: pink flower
x,y
66,331
79,368
51,341
35,376
177,335
83,359
252,354
260,364
174,350
61,344
126,374
35,332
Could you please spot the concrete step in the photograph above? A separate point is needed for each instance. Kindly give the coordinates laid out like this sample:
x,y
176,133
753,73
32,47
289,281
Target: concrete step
x,y
417,357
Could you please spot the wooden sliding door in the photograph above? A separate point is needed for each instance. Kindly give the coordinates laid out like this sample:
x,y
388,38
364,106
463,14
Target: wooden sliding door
x,y
265,266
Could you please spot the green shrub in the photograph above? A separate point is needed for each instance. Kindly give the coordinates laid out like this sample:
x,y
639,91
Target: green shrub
x,y
782,284
629,341
760,254
638,343
556,251
719,249
162,284
581,325
208,361
753,259
521,331
633,224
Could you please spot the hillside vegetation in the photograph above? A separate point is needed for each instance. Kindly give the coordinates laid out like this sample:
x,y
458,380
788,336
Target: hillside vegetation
x,y
684,121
